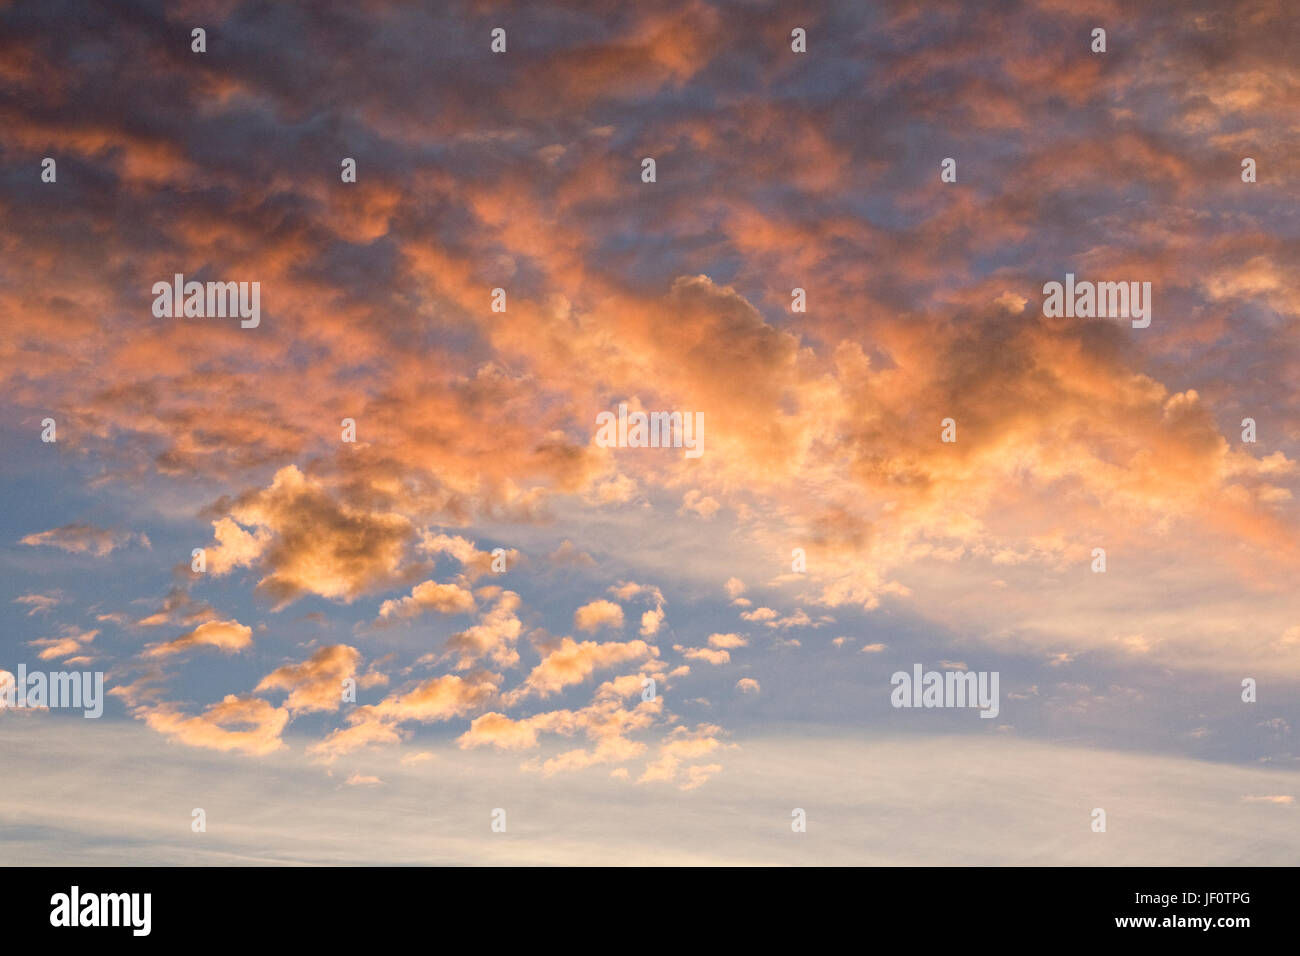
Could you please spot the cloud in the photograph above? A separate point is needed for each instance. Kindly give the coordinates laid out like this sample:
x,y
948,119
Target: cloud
x,y
568,554
652,619
747,685
495,635
430,596
212,728
606,724
38,603
474,563
229,637
697,502
684,744
597,614
571,662
1183,812
86,539
357,736
179,608
703,654
728,641
498,730
235,548
145,689
699,774
310,542
434,700
315,684
822,425
72,642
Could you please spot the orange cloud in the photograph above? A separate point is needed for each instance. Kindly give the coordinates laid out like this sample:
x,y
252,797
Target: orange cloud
x,y
571,662
229,637
212,728
597,614
316,684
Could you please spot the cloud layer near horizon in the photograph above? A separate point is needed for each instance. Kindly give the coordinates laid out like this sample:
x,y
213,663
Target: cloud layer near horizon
x,y
866,803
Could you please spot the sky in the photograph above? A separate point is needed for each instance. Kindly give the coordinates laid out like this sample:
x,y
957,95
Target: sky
x,y
426,589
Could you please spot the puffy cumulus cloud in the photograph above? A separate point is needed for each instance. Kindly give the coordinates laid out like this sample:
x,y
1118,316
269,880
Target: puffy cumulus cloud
x,y
229,637
652,619
707,654
606,723
627,590
747,685
597,614
474,563
572,662
217,727
494,636
770,618
436,699
235,547
310,541
429,596
498,730
86,539
628,685
315,684
728,641
439,698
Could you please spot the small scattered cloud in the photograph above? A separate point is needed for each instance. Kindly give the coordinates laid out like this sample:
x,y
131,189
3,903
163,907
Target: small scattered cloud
x,y
86,539
229,637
